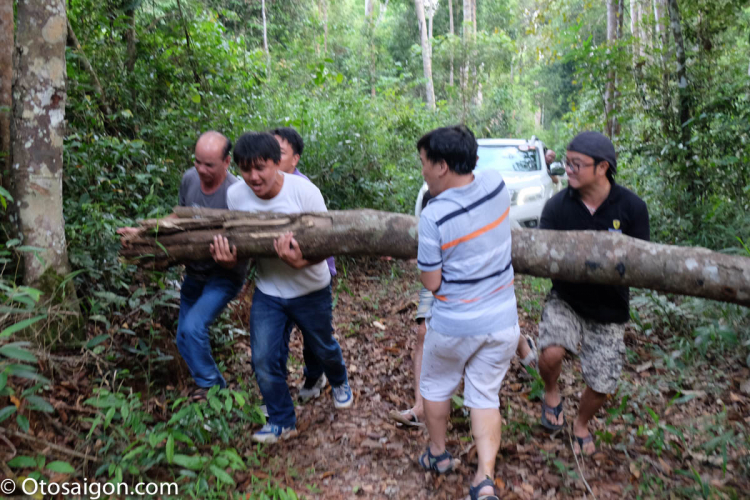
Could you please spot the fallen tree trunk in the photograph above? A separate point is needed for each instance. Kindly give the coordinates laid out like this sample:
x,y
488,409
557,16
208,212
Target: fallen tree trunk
x,y
577,256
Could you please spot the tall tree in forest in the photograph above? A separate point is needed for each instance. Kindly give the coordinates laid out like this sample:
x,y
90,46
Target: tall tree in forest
x,y
426,54
452,32
675,23
6,83
431,7
465,68
323,10
265,28
609,93
38,129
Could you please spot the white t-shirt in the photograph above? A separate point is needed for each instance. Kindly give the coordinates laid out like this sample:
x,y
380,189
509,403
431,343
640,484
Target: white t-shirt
x,y
275,277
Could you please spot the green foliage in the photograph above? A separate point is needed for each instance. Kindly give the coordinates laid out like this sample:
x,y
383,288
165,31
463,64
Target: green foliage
x,y
134,446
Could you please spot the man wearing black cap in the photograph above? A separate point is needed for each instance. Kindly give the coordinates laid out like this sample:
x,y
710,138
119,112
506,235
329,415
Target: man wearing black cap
x,y
592,315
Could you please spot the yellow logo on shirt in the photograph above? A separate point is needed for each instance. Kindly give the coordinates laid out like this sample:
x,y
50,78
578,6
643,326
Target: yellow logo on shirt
x,y
616,224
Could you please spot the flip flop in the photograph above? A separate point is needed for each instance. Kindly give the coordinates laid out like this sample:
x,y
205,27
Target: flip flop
x,y
556,411
406,417
582,441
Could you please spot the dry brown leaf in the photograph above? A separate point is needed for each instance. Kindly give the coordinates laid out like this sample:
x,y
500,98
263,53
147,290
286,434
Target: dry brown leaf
x,y
634,470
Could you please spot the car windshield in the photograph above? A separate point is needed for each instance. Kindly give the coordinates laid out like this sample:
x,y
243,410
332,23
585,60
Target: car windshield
x,y
507,159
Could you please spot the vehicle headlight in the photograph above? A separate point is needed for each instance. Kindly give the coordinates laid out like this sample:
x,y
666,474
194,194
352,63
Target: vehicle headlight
x,y
529,195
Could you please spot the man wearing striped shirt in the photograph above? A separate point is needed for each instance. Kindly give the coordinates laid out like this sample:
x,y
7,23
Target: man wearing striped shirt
x,y
464,256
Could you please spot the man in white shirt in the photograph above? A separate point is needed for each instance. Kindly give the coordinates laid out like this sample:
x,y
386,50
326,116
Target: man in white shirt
x,y
288,289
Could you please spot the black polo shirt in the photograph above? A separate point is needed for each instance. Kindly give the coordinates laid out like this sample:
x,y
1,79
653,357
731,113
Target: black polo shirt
x,y
623,212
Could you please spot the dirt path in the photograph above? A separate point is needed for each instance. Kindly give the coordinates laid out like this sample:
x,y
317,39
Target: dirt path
x,y
359,453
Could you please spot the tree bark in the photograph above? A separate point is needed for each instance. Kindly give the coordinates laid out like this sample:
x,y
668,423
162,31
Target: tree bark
x,y
578,256
452,32
609,93
465,69
634,31
369,7
38,129
675,22
6,83
265,30
325,27
426,54
641,26
130,36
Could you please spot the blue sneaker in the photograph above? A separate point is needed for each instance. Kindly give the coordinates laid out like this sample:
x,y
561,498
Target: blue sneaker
x,y
342,396
271,433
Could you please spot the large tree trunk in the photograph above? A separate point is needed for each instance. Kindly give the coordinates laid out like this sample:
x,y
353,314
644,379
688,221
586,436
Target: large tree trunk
x,y
426,54
38,130
579,256
6,83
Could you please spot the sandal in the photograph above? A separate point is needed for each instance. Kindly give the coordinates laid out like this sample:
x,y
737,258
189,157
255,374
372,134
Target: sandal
x,y
583,441
474,490
406,417
531,358
430,462
556,411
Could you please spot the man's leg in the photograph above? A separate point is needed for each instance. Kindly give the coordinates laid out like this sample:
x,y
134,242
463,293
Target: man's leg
x,y
418,408
267,322
190,292
313,314
194,342
550,366
483,378
486,427
436,418
443,362
591,401
602,352
559,330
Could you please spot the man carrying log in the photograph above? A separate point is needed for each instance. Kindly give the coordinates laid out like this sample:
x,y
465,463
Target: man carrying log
x,y
209,285
292,145
472,333
288,289
589,314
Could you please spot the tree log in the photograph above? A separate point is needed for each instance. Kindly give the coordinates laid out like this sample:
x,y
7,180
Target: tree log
x,y
578,256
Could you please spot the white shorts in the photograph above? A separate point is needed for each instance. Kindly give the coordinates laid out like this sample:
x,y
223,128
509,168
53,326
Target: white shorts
x,y
482,360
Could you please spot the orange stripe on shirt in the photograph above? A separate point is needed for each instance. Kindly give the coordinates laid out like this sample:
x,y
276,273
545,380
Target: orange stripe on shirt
x,y
476,233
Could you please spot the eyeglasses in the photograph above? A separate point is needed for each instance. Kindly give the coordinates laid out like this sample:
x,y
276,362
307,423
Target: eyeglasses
x,y
574,166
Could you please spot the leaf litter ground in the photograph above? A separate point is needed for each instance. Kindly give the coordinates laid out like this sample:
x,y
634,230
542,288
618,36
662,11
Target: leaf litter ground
x,y
674,430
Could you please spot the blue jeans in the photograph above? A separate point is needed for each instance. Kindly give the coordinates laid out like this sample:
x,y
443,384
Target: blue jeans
x,y
270,324
201,302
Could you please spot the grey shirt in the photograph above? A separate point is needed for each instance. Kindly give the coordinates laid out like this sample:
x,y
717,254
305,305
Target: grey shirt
x,y
191,195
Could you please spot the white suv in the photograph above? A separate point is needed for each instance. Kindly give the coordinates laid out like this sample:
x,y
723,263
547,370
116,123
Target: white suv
x,y
527,176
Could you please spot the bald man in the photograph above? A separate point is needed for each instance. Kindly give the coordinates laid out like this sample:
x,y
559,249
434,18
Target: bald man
x,y
208,285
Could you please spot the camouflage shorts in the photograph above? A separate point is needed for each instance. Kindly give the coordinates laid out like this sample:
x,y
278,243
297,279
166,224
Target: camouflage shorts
x,y
602,344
